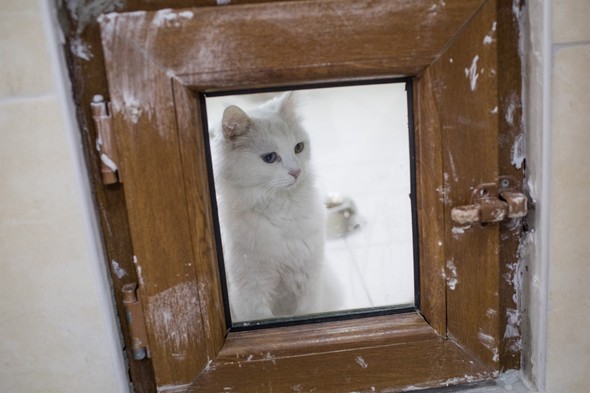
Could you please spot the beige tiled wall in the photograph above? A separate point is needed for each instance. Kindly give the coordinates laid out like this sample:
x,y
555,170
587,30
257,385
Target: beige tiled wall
x,y
568,340
53,332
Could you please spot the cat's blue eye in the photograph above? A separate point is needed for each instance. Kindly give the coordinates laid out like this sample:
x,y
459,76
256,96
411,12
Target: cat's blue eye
x,y
299,147
269,158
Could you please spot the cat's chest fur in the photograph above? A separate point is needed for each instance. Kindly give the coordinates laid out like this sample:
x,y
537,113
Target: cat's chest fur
x,y
285,230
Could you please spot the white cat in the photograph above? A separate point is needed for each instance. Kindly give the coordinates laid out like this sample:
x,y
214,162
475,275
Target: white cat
x,y
271,216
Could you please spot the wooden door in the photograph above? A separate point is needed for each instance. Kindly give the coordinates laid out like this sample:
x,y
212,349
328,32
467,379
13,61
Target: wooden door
x,y
463,58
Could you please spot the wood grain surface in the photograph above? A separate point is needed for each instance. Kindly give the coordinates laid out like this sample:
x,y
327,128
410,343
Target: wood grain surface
x,y
158,63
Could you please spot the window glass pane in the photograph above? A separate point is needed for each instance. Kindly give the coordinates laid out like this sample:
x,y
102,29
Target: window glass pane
x,y
350,147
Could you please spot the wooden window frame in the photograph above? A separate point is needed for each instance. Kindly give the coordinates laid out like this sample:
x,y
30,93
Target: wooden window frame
x,y
158,63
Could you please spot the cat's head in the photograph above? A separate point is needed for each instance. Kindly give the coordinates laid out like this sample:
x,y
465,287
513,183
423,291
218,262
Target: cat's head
x,y
266,147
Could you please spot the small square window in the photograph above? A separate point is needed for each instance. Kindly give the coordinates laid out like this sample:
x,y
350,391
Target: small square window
x,y
359,170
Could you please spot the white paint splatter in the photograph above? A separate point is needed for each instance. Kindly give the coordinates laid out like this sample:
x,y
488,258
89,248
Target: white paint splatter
x,y
133,111
490,343
464,379
514,278
489,38
453,279
516,9
491,313
118,270
513,317
486,339
80,49
223,2
269,356
411,388
138,269
99,143
446,176
208,365
169,18
173,388
510,112
249,358
518,151
453,168
186,14
458,231
494,110
170,74
85,12
174,329
361,362
444,194
108,162
435,8
472,73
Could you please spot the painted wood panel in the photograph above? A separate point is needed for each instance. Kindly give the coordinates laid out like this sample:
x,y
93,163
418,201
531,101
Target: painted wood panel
x,y
378,354
158,61
252,45
159,220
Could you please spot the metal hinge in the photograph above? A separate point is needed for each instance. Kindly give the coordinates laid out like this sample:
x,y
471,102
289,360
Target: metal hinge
x,y
492,202
105,143
136,321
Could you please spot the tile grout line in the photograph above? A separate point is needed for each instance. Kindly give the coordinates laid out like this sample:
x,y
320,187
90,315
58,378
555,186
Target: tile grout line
x,y
27,98
544,236
571,44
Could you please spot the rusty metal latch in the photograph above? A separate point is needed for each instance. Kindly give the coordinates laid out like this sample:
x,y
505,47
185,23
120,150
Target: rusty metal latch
x,y
105,143
136,321
492,202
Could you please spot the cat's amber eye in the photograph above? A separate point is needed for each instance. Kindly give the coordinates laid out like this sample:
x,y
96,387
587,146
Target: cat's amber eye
x,y
299,147
269,158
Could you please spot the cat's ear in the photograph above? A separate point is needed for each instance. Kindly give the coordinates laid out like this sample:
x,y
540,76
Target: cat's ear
x,y
287,104
235,122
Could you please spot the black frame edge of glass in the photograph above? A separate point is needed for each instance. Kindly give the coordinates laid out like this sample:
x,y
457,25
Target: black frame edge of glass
x,y
337,315
320,85
213,199
309,319
413,190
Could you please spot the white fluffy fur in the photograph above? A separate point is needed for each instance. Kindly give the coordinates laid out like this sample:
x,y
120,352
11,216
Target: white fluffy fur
x,y
272,222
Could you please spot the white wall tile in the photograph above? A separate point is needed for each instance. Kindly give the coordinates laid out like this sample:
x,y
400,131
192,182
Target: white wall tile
x,y
570,20
568,348
25,68
54,338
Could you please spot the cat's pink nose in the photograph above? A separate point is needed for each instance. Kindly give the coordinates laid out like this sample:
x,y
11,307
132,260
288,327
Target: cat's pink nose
x,y
295,173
